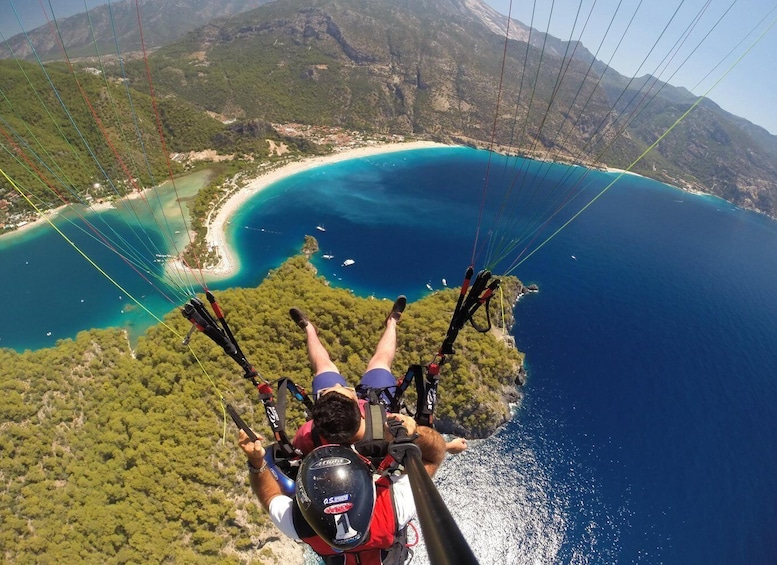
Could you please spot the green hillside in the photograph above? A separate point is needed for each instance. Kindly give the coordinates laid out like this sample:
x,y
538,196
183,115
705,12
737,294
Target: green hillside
x,y
113,455
66,135
430,70
435,69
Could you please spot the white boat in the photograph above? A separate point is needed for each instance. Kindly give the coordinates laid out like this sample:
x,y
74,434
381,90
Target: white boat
x,y
348,262
429,286
444,282
328,256
320,227
573,257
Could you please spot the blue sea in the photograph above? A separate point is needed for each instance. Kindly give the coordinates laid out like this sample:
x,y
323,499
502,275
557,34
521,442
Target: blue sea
x,y
647,432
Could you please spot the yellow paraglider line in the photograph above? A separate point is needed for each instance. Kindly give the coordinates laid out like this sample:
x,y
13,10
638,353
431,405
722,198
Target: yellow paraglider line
x,y
121,288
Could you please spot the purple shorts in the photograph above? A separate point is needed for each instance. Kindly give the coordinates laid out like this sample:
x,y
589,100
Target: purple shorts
x,y
374,378
379,378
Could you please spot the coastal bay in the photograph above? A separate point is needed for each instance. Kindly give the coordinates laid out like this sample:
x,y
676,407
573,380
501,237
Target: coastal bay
x,y
216,226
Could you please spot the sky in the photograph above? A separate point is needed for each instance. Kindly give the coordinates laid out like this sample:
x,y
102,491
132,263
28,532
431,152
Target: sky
x,y
730,60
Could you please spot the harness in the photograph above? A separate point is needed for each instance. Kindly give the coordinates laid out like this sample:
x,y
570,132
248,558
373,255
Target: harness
x,y
374,445
469,301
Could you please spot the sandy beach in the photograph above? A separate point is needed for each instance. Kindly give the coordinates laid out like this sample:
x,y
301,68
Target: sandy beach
x,y
622,172
216,234
43,218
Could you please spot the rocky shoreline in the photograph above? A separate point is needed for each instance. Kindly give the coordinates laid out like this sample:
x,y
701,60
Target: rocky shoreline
x,y
510,395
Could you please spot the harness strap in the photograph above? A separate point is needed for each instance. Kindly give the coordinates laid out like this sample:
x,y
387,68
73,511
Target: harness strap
x,y
374,444
399,550
276,419
426,389
382,396
480,293
375,419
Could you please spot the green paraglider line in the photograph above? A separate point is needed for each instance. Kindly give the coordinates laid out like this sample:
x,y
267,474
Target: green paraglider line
x,y
88,147
117,285
82,253
500,247
130,177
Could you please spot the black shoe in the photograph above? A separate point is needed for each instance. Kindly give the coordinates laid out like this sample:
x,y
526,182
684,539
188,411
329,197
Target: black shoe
x,y
398,308
299,317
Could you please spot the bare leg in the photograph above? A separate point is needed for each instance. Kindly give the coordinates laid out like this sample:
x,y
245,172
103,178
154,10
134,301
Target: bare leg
x,y
387,346
318,355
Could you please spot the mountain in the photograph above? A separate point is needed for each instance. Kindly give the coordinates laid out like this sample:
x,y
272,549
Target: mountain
x,y
433,69
422,68
710,150
54,131
86,138
103,26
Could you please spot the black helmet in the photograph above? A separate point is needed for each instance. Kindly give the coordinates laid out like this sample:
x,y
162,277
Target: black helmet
x,y
336,495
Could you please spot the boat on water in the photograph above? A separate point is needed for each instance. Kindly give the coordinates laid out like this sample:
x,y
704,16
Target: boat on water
x,y
573,257
328,256
444,282
429,286
320,227
348,262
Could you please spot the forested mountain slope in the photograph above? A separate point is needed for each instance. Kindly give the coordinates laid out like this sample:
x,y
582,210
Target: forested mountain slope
x,y
114,24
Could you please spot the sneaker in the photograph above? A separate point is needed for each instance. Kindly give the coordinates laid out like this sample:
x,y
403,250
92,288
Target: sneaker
x,y
299,317
398,308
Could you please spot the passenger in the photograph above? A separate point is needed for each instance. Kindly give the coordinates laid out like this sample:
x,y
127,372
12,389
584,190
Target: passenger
x,y
340,417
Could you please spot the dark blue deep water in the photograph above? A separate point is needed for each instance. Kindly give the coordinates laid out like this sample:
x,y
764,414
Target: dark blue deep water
x,y
648,427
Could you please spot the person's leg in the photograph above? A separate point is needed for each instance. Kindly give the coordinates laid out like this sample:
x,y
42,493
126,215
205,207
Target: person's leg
x,y
378,374
317,353
386,348
387,345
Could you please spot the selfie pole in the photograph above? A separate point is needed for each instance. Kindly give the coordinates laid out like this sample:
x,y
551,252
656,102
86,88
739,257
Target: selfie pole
x,y
445,543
